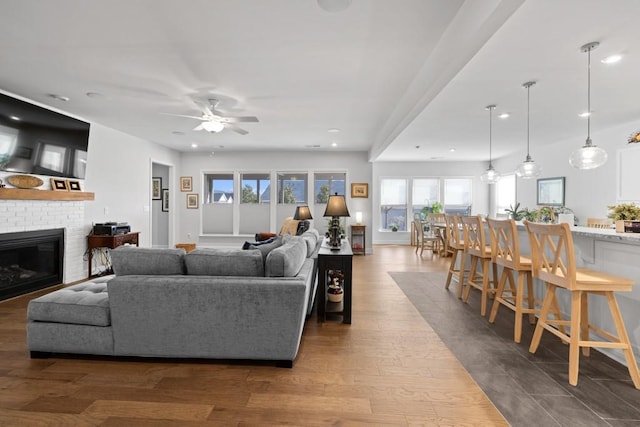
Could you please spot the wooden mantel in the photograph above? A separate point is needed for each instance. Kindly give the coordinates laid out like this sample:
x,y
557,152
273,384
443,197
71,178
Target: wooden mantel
x,y
24,194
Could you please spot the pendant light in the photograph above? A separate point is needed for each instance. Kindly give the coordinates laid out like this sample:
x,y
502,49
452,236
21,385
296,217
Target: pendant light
x,y
528,169
589,156
490,176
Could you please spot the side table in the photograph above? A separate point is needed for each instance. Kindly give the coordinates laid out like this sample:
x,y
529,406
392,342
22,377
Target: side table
x,y
329,259
358,239
111,242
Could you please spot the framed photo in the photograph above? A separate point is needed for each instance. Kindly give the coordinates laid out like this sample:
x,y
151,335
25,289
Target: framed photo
x,y
59,185
185,183
165,200
192,201
73,185
551,191
23,152
156,188
360,189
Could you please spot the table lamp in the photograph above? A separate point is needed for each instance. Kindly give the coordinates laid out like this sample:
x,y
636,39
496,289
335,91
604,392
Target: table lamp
x,y
303,214
336,207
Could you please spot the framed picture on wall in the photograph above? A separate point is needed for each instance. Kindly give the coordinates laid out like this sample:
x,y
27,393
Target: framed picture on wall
x,y
551,191
59,185
360,189
185,183
73,185
165,200
156,188
192,201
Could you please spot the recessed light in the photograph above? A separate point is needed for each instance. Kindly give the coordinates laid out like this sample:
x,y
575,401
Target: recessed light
x,y
585,114
333,130
16,118
611,59
312,146
436,158
194,145
220,146
94,95
334,144
178,132
503,116
452,150
417,147
58,97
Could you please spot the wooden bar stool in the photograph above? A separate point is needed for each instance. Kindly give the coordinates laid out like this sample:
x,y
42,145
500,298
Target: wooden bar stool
x,y
456,247
480,252
505,252
554,262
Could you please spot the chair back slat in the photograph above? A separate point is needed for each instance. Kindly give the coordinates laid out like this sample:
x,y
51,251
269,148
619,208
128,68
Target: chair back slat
x,y
453,232
553,258
505,248
474,236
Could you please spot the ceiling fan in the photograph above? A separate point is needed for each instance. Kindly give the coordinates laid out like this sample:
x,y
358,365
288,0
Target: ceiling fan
x,y
215,121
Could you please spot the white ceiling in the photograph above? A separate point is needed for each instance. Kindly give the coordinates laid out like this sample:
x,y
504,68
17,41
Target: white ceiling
x,y
391,75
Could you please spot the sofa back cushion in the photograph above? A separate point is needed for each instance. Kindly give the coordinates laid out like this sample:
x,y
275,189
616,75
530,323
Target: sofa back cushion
x,y
287,260
310,237
131,260
224,262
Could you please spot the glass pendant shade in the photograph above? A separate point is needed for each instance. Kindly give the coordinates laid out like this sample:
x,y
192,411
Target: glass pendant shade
x,y
588,156
490,176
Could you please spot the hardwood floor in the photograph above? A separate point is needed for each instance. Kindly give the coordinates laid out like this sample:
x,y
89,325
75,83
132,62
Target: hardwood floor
x,y
387,368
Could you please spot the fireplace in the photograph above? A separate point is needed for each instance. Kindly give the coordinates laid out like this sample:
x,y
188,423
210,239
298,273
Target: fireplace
x,y
30,260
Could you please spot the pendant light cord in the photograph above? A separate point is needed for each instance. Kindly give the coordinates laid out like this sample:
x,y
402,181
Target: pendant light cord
x,y
589,95
490,129
528,115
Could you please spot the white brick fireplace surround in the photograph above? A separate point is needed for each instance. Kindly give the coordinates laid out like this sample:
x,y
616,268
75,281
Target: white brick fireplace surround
x,y
30,215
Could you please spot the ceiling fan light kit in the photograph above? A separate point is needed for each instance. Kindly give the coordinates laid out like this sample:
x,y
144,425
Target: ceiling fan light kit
x,y
215,121
490,176
588,156
528,169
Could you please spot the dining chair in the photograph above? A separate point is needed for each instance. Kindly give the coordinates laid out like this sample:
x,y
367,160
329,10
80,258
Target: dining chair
x,y
456,248
599,222
505,252
425,239
554,262
480,254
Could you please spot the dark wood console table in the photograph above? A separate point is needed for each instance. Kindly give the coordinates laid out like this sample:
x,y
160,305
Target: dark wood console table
x,y
111,242
334,260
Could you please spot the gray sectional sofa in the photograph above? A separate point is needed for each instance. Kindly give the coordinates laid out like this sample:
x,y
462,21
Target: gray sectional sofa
x,y
210,303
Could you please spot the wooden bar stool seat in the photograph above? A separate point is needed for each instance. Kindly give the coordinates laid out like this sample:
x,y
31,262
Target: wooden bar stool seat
x,y
480,252
554,263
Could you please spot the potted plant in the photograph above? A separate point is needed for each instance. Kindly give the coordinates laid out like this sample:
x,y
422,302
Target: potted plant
x,y
436,207
515,212
623,212
394,227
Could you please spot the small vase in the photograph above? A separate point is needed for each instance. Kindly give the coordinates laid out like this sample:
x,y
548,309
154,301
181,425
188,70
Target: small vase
x,y
334,293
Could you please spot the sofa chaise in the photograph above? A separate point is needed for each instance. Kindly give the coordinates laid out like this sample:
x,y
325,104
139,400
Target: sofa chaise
x,y
209,303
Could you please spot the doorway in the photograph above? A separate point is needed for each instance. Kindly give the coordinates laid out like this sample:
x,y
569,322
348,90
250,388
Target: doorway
x,y
160,205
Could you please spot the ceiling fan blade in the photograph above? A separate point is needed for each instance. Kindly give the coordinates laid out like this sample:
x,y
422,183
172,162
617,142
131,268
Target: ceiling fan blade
x,y
204,119
246,119
199,127
236,129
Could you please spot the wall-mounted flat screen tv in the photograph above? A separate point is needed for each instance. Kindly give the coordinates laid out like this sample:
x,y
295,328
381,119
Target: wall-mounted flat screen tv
x,y
38,141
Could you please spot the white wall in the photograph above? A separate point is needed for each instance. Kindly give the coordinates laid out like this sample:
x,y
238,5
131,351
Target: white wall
x,y
160,218
424,170
119,173
193,164
588,192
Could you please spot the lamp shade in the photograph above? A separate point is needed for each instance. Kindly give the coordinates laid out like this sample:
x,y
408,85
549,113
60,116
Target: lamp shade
x,y
490,176
528,169
358,217
336,206
588,156
302,213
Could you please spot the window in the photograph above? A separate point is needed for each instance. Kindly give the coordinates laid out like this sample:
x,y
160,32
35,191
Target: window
x,y
326,184
505,193
255,188
53,157
426,191
393,203
292,188
218,188
457,195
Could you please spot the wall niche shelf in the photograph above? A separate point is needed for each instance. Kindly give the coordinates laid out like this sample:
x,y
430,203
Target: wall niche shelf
x,y
26,194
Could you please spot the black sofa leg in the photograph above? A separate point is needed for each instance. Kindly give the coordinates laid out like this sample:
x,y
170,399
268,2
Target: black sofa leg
x,y
40,354
284,363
